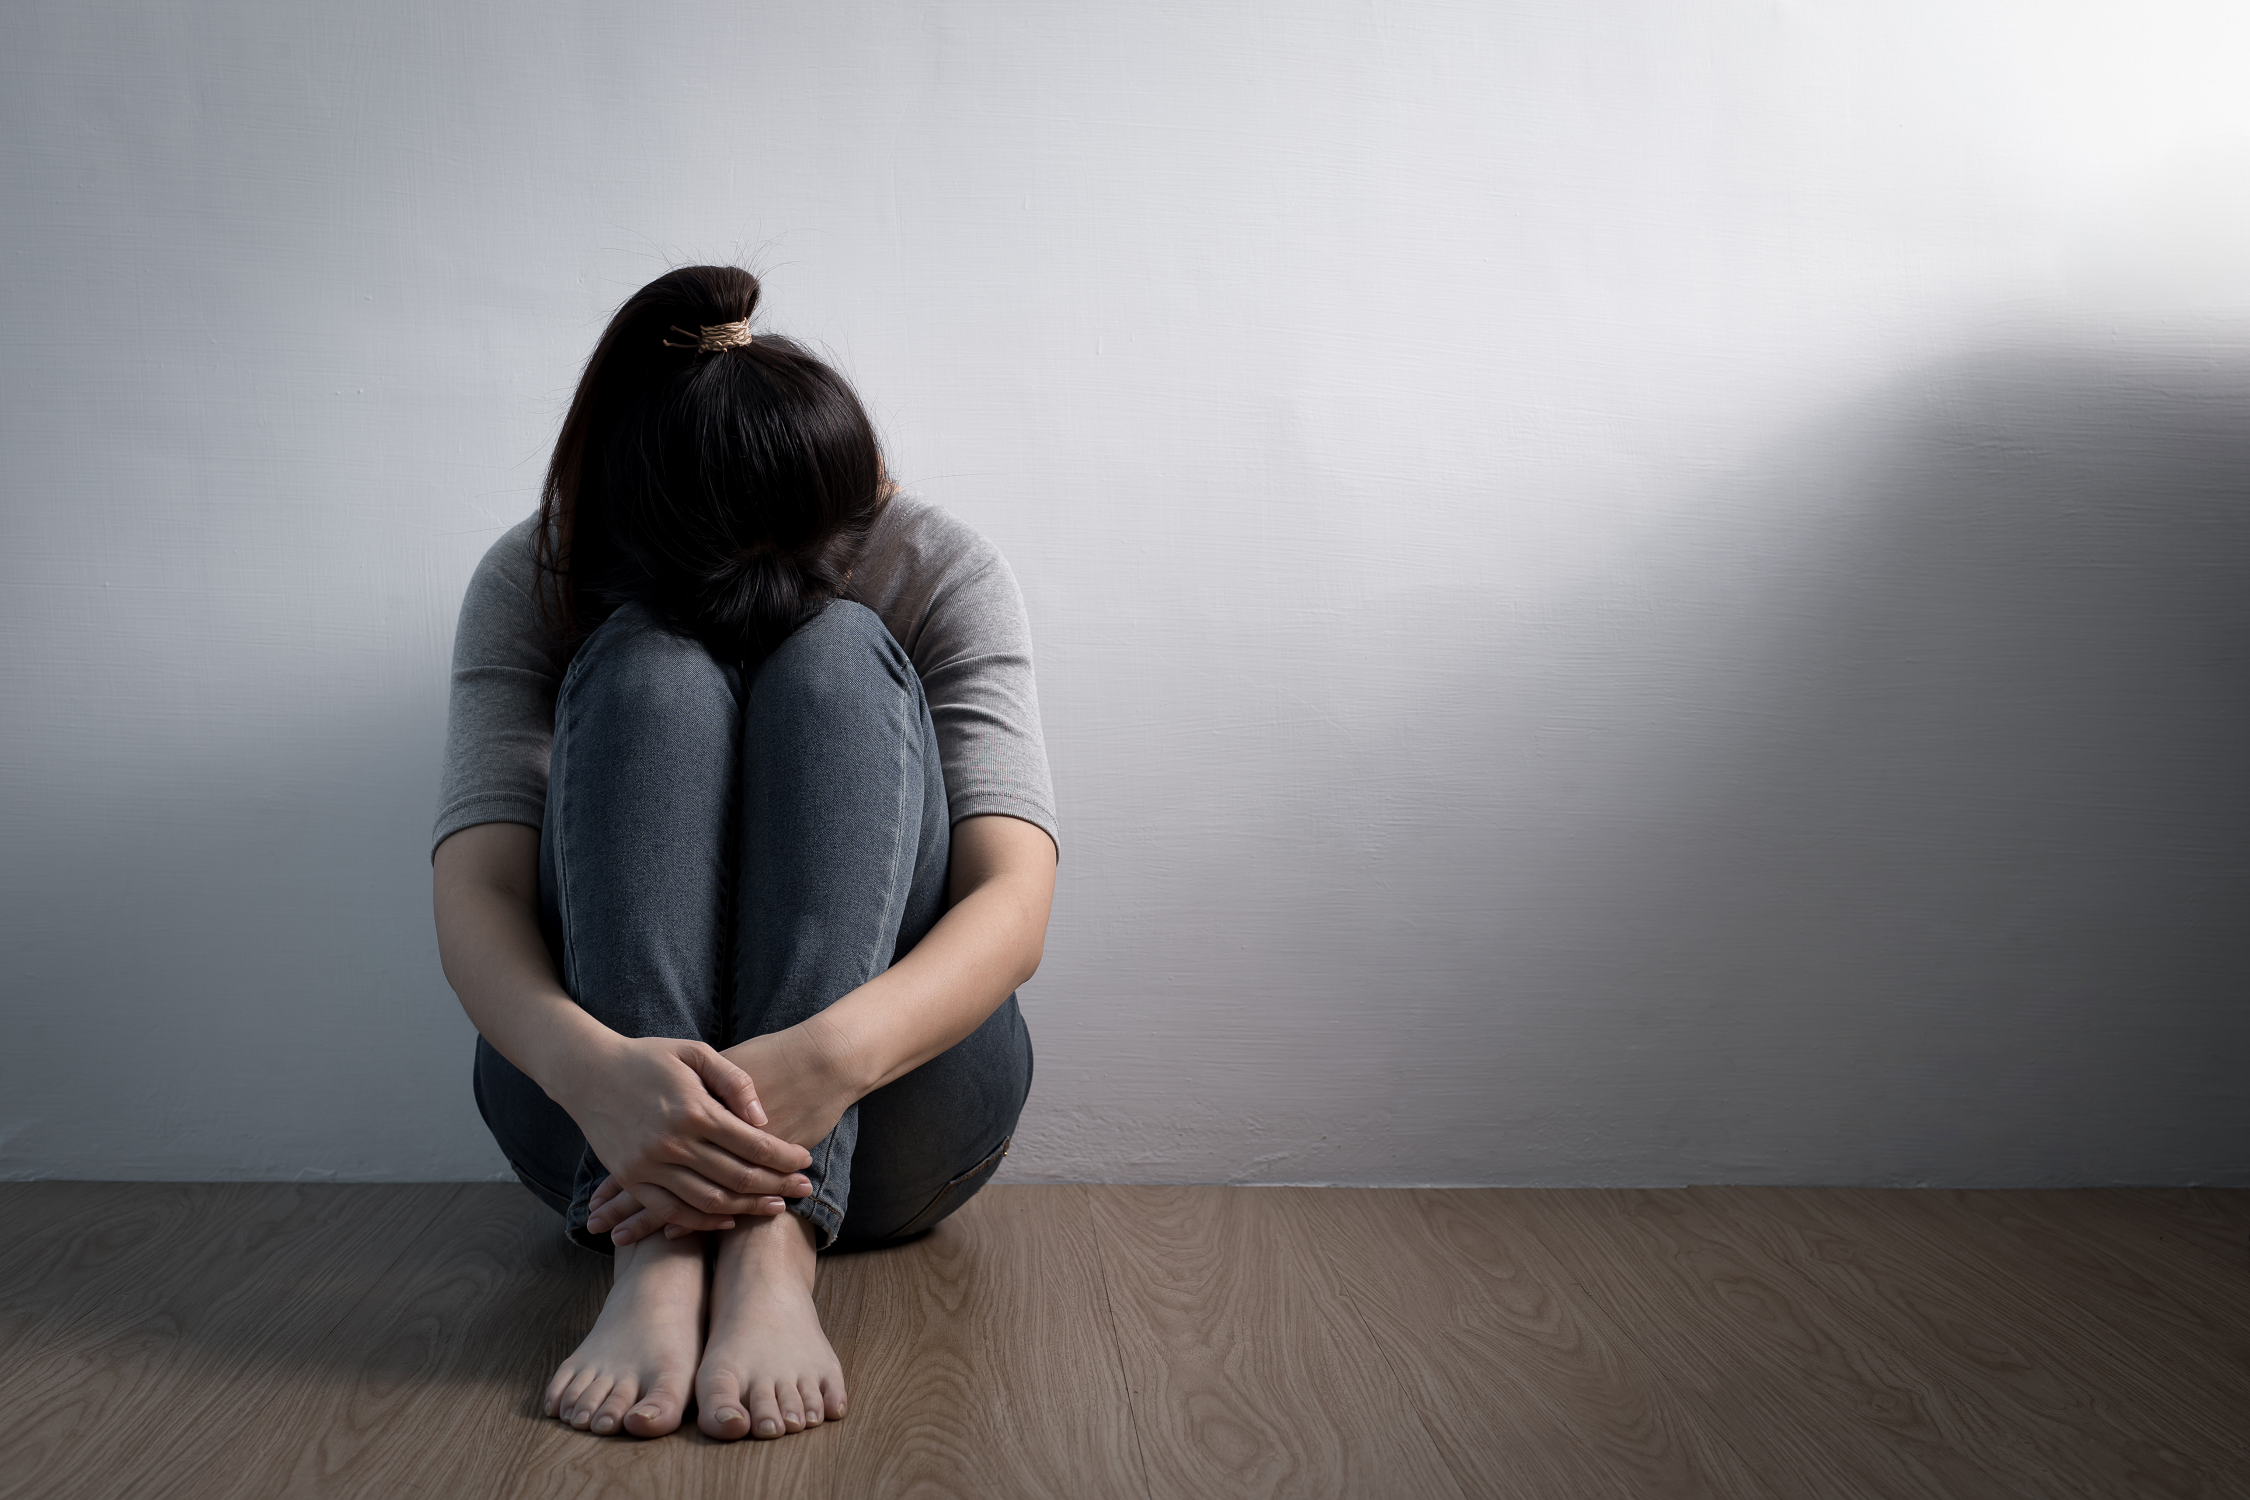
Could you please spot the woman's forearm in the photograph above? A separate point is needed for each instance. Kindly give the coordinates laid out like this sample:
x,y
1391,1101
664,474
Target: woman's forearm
x,y
486,894
1002,881
661,1113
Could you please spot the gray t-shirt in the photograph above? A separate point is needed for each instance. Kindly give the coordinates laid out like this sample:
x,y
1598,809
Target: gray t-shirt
x,y
945,593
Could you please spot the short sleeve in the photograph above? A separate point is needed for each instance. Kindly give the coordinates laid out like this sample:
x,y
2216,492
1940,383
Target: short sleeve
x,y
974,659
500,712
948,596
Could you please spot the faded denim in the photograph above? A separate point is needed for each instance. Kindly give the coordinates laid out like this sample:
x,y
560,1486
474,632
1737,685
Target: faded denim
x,y
724,857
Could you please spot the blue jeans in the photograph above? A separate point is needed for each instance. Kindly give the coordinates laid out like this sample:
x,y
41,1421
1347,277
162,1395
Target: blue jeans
x,y
724,855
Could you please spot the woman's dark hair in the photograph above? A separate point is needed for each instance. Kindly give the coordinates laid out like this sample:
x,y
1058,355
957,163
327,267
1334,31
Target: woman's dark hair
x,y
728,489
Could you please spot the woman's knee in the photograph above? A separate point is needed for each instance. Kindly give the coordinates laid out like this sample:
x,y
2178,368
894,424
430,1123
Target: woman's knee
x,y
834,664
635,666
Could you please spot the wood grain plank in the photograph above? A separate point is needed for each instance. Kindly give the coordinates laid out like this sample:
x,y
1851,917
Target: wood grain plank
x,y
1521,1380
2215,1219
1896,1278
444,1343
985,1362
2159,1349
2182,1247
1246,1378
181,1341
1809,1406
71,1236
47,1220
115,1387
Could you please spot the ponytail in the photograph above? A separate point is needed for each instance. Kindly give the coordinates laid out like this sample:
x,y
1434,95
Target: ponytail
x,y
726,481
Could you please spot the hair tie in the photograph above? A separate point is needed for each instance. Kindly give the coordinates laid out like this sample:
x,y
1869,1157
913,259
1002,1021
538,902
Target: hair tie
x,y
715,337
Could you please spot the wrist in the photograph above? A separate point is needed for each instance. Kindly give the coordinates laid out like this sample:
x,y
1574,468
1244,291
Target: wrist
x,y
842,1057
576,1051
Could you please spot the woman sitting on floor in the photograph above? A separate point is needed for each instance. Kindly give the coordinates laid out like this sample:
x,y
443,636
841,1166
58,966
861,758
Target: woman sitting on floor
x,y
746,841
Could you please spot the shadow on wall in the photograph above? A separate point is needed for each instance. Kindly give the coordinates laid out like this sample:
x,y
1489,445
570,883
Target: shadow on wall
x,y
1949,879
236,948
1878,814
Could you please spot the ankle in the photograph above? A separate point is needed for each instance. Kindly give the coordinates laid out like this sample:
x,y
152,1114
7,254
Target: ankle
x,y
658,1256
782,1244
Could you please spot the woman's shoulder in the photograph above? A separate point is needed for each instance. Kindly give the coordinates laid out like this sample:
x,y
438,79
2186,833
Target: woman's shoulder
x,y
512,559
938,582
915,536
500,616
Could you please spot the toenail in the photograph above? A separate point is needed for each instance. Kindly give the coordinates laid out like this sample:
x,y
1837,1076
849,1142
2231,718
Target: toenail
x,y
650,1412
725,1414
768,1427
604,1424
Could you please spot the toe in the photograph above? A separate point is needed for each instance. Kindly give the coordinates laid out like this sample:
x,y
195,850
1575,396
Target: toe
x,y
589,1401
765,1411
551,1402
659,1411
790,1398
808,1391
719,1406
610,1415
571,1390
832,1395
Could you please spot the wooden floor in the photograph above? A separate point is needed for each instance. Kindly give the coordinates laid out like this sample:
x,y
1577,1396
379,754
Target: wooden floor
x,y
170,1340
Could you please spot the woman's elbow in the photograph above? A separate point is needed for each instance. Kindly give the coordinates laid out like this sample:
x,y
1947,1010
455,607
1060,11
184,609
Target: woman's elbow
x,y
1028,962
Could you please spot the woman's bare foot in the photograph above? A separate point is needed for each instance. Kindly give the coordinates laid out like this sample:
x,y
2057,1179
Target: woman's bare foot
x,y
767,1367
633,1370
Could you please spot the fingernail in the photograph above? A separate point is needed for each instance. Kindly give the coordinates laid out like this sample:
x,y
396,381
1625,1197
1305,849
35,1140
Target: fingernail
x,y
775,1205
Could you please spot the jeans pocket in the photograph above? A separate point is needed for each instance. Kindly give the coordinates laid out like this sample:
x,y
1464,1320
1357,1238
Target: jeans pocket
x,y
955,1193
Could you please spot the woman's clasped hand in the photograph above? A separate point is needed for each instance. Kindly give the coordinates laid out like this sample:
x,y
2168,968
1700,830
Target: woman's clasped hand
x,y
807,1092
679,1124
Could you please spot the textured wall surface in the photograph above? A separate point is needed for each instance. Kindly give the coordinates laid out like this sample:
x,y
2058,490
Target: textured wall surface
x,y
1628,592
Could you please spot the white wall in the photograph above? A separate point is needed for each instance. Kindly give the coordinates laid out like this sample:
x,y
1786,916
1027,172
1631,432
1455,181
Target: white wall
x,y
1629,592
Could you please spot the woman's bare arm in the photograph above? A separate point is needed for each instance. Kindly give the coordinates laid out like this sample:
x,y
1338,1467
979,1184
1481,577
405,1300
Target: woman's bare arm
x,y
1000,888
486,885
672,1113
1000,885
